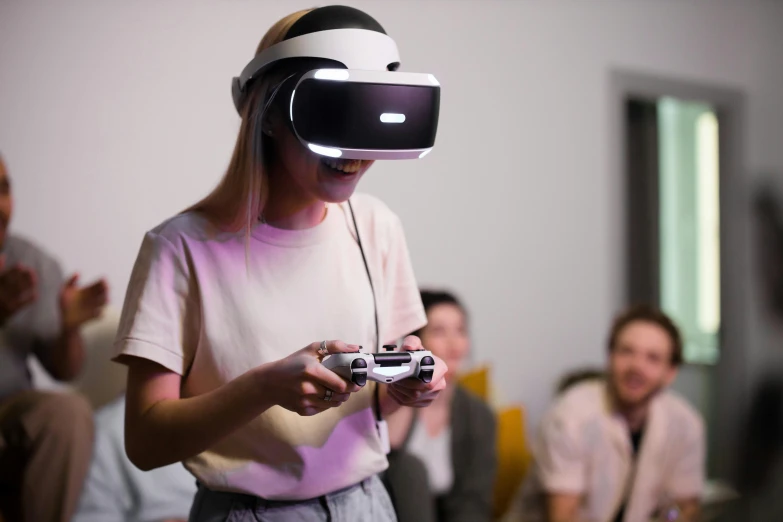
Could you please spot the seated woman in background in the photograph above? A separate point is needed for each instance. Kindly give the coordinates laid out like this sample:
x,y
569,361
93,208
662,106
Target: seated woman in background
x,y
442,465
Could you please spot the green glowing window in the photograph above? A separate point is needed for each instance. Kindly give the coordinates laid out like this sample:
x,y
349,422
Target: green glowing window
x,y
688,227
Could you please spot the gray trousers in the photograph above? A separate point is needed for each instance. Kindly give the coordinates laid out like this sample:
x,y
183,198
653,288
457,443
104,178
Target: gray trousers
x,y
367,500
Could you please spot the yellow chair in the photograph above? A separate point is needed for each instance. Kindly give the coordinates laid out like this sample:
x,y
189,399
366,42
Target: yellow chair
x,y
512,449
477,382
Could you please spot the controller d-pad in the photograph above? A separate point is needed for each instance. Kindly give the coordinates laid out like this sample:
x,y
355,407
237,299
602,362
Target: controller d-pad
x,y
359,379
427,361
426,375
359,363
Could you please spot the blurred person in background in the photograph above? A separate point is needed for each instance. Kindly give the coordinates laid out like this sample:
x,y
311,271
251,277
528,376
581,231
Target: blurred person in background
x,y
623,449
578,376
45,437
758,475
443,463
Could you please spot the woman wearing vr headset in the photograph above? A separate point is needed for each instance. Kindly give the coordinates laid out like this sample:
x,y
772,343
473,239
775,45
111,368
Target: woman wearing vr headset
x,y
233,304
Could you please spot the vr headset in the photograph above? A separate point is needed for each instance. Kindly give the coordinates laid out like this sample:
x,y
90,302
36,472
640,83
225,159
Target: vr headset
x,y
355,105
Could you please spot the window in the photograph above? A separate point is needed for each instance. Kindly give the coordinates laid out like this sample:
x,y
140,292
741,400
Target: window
x,y
688,227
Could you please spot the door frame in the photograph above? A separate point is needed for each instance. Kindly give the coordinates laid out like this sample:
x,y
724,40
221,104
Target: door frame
x,y
728,379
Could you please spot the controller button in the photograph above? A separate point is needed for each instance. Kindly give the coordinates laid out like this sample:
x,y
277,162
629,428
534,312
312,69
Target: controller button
x,y
425,375
389,347
427,361
359,363
359,379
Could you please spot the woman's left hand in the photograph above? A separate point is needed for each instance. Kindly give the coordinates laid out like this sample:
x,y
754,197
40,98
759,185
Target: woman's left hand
x,y
412,391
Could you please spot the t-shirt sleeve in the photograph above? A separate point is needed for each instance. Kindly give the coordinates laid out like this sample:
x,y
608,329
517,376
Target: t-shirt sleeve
x,y
687,479
560,457
405,312
160,317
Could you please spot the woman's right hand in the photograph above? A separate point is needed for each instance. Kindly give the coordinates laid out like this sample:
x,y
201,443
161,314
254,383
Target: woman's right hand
x,y
163,428
299,382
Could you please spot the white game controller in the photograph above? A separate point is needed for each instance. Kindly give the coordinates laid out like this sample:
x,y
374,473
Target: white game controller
x,y
386,367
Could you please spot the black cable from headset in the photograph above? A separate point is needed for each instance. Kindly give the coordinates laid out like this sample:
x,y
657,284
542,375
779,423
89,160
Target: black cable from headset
x,y
376,392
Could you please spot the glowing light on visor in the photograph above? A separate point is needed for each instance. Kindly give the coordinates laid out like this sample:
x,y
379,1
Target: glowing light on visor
x,y
331,74
291,108
325,151
391,117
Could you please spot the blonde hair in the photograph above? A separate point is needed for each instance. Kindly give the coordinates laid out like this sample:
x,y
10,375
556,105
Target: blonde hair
x,y
238,200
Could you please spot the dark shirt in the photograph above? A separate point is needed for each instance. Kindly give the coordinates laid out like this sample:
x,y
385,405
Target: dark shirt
x,y
636,442
474,461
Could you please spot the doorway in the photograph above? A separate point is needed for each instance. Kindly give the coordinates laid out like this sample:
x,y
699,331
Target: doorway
x,y
673,242
684,221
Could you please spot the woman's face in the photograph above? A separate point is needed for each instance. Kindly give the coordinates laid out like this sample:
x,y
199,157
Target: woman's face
x,y
446,335
312,176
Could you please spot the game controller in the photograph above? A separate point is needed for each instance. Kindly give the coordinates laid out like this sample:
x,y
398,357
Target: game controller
x,y
386,367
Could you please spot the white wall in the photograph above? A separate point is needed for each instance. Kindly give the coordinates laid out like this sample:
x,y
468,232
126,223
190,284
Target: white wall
x,y
115,115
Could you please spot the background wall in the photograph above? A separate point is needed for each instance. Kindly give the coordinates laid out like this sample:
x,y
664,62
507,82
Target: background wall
x,y
115,115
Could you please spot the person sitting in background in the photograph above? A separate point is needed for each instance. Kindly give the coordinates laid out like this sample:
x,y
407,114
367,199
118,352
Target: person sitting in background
x,y
624,448
117,491
758,464
45,438
447,449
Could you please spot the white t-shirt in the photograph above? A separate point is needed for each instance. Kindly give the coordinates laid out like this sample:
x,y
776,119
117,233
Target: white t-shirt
x,y
196,307
585,448
435,454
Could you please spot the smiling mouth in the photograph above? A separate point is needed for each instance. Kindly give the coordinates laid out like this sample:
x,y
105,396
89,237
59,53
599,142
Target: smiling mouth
x,y
633,383
343,166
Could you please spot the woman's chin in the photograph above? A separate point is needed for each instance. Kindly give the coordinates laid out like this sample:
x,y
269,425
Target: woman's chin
x,y
337,188
336,195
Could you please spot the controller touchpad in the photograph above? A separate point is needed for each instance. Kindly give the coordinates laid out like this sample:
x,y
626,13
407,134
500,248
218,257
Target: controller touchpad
x,y
390,365
392,359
